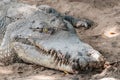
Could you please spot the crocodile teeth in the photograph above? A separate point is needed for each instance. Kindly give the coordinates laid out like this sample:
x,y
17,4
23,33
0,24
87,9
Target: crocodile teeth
x,y
55,56
52,52
60,62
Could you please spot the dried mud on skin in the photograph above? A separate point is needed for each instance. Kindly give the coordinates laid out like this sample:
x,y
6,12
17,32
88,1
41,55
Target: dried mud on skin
x,y
104,36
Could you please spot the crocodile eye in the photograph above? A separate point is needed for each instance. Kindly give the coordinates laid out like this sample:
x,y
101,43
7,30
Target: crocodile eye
x,y
45,30
48,30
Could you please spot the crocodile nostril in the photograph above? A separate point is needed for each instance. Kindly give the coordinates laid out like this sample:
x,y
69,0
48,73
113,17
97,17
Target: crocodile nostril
x,y
95,55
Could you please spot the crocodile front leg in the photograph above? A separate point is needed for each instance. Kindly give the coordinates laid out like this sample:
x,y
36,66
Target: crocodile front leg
x,y
77,23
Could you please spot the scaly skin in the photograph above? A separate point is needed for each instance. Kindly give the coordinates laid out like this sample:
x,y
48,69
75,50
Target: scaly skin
x,y
48,38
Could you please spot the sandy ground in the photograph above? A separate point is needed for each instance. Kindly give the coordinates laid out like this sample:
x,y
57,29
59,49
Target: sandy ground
x,y
104,36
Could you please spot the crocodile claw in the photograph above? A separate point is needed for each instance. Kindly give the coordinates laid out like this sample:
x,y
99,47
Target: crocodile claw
x,y
86,23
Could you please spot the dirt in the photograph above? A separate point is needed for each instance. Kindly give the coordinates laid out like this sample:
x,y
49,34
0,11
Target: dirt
x,y
104,36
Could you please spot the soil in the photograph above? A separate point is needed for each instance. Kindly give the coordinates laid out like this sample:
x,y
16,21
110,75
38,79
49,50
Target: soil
x,y
104,36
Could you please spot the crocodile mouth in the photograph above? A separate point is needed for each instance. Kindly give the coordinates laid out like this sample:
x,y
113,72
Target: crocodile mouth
x,y
60,60
75,64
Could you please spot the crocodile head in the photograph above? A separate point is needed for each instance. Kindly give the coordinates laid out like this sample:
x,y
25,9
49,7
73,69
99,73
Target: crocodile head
x,y
51,41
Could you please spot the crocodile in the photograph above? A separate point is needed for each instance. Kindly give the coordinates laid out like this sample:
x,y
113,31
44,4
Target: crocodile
x,y
43,36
